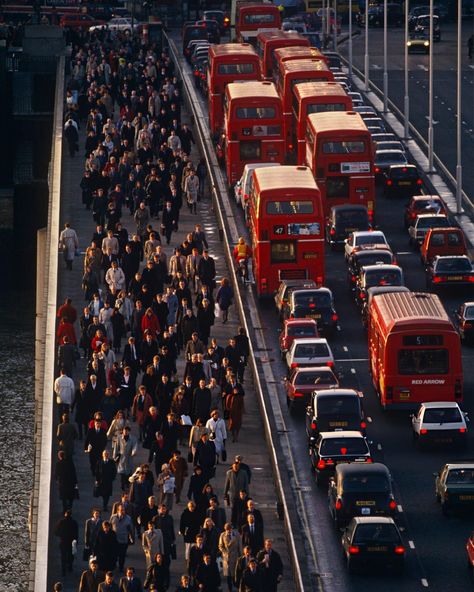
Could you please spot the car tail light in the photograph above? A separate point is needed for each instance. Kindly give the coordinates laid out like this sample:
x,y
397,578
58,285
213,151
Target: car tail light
x,y
413,215
319,280
294,365
313,425
389,182
353,278
469,278
312,305
462,430
338,505
290,147
377,169
399,550
330,364
299,395
203,76
263,284
362,296
392,504
334,317
343,450
246,196
353,550
371,215
466,325
321,464
196,72
332,232
423,431
437,279
363,425
419,182
458,389
369,460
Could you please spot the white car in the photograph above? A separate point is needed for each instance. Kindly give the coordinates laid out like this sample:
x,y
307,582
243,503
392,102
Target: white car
x,y
362,238
242,187
118,23
440,422
309,351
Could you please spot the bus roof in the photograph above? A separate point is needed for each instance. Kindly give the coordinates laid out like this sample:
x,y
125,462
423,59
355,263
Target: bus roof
x,y
285,177
402,309
319,89
279,35
258,8
225,49
304,65
297,52
251,89
337,121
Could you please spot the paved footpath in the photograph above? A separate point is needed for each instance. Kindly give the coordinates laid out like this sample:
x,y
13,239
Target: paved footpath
x,y
251,443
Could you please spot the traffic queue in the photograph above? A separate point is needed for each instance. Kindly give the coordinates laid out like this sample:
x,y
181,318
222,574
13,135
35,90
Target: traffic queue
x,y
303,155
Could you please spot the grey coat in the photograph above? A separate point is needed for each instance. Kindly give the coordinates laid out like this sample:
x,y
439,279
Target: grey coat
x,y
230,548
123,452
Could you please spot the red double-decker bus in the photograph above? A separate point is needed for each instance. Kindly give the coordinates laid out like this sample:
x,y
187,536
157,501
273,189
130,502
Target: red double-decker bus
x,y
228,62
295,52
253,18
294,72
339,151
269,41
414,350
253,126
286,226
314,97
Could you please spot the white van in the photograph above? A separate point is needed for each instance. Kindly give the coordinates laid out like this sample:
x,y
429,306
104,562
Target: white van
x,y
242,187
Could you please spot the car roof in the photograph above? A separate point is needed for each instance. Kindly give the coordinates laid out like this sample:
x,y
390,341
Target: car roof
x,y
446,257
425,198
340,392
309,369
349,208
343,434
469,303
440,404
291,283
390,151
289,322
306,290
385,290
381,266
432,215
460,464
364,251
373,520
358,233
351,468
299,340
402,166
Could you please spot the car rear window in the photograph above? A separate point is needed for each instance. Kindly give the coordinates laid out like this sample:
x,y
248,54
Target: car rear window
x,y
355,218
376,533
424,204
383,278
311,350
335,405
313,299
315,378
302,331
460,476
404,173
392,157
453,265
377,483
432,222
440,415
469,312
374,258
343,447
373,238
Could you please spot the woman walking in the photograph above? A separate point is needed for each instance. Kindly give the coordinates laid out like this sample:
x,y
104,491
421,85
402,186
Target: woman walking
x,y
224,297
230,550
234,405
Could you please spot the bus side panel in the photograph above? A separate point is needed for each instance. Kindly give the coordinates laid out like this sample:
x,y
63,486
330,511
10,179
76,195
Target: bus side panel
x,y
216,113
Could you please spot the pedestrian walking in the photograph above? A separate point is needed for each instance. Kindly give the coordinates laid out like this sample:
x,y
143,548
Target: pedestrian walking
x,y
95,443
67,532
234,405
68,244
91,577
124,450
230,550
65,392
106,547
224,298
191,190
122,525
66,478
92,527
166,485
158,574
105,474
152,543
271,566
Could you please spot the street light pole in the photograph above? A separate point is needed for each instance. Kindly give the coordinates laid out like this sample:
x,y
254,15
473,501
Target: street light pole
x,y
366,56
385,58
406,100
459,115
430,96
323,24
350,40
334,27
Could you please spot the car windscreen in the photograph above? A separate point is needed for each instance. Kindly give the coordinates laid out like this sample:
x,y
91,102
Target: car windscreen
x,y
336,405
313,299
383,278
450,265
311,350
460,477
343,447
376,533
302,331
373,482
441,415
315,378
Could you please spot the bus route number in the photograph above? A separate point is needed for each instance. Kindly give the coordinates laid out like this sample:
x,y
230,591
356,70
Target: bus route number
x,y
279,229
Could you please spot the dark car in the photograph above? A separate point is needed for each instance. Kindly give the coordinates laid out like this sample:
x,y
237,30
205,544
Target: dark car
x,y
419,42
366,257
334,410
193,32
454,486
384,159
464,321
376,275
213,30
334,60
302,382
360,490
343,220
371,292
376,16
402,181
449,271
421,23
315,304
220,17
282,295
423,204
333,448
373,542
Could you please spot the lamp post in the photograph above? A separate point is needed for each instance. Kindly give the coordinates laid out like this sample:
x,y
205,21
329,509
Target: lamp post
x,y
385,58
350,40
366,56
334,26
459,114
430,96
323,23
406,99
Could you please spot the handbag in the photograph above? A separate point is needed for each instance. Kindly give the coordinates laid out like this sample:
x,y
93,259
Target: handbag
x,y
173,553
224,455
190,456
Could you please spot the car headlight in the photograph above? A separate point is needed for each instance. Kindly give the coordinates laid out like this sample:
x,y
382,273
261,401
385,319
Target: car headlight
x,y
426,43
409,43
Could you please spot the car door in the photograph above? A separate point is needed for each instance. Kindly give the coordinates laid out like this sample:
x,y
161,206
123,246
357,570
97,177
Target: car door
x,y
417,420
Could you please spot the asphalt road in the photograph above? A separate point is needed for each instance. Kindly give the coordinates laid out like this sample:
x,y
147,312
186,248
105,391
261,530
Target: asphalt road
x,y
444,89
436,557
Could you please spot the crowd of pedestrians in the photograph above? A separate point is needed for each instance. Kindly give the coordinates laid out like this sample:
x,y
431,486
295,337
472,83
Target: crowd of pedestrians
x,y
139,368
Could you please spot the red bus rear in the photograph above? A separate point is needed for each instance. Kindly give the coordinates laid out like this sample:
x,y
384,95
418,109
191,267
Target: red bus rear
x,y
295,52
414,350
339,151
294,72
269,41
314,97
253,126
286,226
228,62
253,18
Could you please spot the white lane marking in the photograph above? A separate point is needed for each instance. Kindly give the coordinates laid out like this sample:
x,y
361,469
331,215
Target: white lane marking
x,y
424,582
338,327
369,419
353,370
376,67
344,348
411,544
379,446
400,508
405,253
422,67
434,121
351,360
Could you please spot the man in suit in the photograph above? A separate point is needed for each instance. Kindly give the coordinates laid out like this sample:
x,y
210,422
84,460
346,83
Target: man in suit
x,y
130,582
168,221
91,578
95,443
108,585
129,506
242,564
251,580
91,530
207,271
196,554
207,575
251,509
271,567
252,535
131,357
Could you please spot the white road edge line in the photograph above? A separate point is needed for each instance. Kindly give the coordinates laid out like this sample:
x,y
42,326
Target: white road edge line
x,y
411,544
400,508
424,582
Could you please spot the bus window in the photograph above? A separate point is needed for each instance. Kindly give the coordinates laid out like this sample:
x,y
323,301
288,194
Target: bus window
x,y
280,208
236,68
324,107
337,187
283,252
250,150
255,113
258,19
349,147
423,361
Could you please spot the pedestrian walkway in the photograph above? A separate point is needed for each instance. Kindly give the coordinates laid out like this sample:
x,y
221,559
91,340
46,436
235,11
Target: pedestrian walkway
x,y
251,445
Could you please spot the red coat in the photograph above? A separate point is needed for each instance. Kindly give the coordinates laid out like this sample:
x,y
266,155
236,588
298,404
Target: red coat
x,y
69,312
151,323
66,329
141,415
